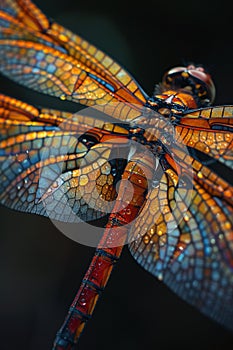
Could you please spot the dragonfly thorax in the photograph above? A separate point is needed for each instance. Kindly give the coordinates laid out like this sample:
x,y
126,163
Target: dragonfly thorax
x,y
171,101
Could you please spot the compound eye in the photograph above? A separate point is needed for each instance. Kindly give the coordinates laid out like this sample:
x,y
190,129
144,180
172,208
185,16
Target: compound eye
x,y
204,81
191,78
176,70
172,77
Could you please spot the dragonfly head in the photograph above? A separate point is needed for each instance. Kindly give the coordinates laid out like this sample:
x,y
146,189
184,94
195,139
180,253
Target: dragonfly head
x,y
192,79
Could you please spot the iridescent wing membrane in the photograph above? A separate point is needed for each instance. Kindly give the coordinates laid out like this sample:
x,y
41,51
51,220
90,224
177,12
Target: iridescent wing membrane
x,y
42,55
185,235
51,161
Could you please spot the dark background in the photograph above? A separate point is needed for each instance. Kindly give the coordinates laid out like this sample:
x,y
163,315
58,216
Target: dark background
x,y
41,269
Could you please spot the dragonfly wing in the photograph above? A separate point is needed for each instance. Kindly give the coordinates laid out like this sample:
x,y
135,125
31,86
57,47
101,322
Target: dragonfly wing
x,y
184,235
56,164
209,131
42,55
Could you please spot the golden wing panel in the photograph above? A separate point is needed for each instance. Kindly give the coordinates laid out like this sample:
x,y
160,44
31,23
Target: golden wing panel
x,y
209,130
185,237
211,112
48,58
55,165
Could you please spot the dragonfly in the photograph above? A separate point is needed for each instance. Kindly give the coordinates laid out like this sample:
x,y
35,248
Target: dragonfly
x,y
155,171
